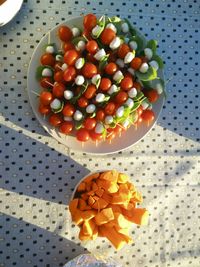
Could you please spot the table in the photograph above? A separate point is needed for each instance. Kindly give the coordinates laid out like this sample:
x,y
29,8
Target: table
x,y
38,174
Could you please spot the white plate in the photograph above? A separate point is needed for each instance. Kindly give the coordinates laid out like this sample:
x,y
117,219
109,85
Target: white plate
x,y
127,139
8,10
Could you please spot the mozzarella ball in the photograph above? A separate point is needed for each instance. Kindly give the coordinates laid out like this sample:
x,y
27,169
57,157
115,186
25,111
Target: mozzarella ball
x,y
118,76
68,94
81,45
76,31
78,115
64,66
145,105
129,103
55,104
96,79
100,54
120,62
129,57
113,89
131,71
116,42
79,80
47,72
50,49
90,108
96,30
159,88
154,64
67,118
112,27
108,119
132,92
148,53
144,67
120,112
100,97
133,45
125,27
79,63
126,123
99,128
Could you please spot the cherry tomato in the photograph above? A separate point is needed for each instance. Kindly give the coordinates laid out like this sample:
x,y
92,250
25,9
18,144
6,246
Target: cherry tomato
x,y
139,110
89,21
95,136
121,97
92,46
148,115
82,102
90,123
47,59
58,90
46,82
105,84
46,98
69,74
43,109
152,95
136,63
58,76
68,46
111,134
66,127
65,33
82,135
70,57
100,115
139,121
107,36
144,59
55,120
126,83
68,110
89,70
90,91
86,33
123,50
111,68
137,86
110,108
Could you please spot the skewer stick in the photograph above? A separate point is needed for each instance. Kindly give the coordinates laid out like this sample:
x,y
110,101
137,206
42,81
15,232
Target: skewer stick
x,y
44,117
49,38
136,126
35,93
49,83
96,143
82,144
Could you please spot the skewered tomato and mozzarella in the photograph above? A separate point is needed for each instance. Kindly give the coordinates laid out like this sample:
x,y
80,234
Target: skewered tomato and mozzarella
x,y
99,83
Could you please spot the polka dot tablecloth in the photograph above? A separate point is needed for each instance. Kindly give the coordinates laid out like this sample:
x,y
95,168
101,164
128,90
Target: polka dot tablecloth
x,y
38,174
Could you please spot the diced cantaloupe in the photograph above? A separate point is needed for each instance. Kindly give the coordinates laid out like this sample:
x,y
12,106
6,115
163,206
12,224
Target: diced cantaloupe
x,y
91,177
107,197
136,197
88,227
82,204
88,214
111,176
122,178
104,216
100,204
111,234
91,201
82,236
139,216
119,198
77,217
99,192
81,187
94,186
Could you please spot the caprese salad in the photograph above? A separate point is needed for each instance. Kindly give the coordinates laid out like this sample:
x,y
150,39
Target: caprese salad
x,y
101,81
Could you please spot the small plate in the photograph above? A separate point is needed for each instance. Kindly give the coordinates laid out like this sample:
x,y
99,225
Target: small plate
x,y
127,139
8,9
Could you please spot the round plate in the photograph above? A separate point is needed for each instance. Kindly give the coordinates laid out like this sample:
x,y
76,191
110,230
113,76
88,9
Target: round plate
x,y
8,10
127,139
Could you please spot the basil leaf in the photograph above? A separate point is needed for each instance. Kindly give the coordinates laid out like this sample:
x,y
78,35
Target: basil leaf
x,y
101,23
151,74
103,62
78,124
152,44
135,106
82,91
133,117
159,60
131,28
76,40
114,19
139,96
92,115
